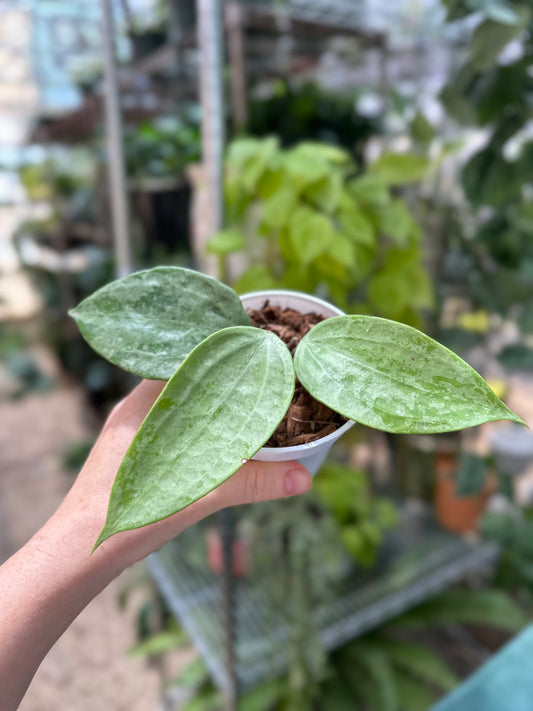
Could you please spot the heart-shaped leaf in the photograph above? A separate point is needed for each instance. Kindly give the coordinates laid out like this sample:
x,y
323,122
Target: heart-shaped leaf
x,y
392,377
219,408
148,322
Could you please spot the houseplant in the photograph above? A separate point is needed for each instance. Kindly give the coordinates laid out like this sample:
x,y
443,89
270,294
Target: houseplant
x,y
158,153
491,92
230,385
308,218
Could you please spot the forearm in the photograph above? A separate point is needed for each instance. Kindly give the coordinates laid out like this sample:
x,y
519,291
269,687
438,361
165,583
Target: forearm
x,y
43,588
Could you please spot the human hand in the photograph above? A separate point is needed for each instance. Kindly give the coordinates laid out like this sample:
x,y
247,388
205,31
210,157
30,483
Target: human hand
x,y
255,481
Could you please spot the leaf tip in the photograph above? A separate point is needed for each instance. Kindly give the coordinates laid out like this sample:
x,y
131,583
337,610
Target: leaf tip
x,y
105,533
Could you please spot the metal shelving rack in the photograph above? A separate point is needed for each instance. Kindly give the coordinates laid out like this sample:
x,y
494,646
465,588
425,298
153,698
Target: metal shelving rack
x,y
436,560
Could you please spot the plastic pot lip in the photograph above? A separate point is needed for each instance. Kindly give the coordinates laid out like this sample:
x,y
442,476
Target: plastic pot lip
x,y
268,454
296,300
293,299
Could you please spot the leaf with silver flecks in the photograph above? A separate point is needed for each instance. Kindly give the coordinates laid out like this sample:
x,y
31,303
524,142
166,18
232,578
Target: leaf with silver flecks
x,y
148,322
390,376
219,408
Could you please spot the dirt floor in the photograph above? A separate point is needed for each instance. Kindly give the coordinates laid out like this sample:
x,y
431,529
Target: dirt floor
x,y
88,668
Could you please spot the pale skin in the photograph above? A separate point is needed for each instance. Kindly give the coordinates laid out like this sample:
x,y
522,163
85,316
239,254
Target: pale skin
x,y
49,581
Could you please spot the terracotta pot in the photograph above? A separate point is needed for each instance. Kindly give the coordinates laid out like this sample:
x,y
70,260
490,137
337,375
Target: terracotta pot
x,y
459,514
313,454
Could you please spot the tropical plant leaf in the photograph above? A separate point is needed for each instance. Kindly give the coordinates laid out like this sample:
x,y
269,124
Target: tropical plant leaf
x,y
159,643
395,221
226,242
207,699
400,283
378,669
392,377
336,695
192,674
422,130
400,168
263,697
252,157
412,695
148,322
325,193
342,250
471,475
355,223
305,166
420,662
221,405
369,189
278,206
256,278
493,608
490,38
310,234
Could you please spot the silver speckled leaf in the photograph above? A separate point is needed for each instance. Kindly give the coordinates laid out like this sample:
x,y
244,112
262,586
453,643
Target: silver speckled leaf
x,y
392,377
219,408
148,322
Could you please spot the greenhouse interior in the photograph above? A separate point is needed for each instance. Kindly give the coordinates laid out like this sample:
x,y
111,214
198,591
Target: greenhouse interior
x,y
313,220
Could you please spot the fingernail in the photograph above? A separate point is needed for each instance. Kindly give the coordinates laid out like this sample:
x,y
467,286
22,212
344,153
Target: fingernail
x,y
297,481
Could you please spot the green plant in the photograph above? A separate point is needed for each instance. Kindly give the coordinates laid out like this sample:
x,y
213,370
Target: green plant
x,y
388,669
309,112
513,531
362,518
164,147
310,219
493,93
235,383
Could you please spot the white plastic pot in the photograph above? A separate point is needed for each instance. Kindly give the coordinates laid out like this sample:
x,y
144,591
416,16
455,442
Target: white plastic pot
x,y
313,454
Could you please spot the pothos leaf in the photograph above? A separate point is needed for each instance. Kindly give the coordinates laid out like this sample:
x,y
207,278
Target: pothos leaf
x,y
219,408
148,322
392,377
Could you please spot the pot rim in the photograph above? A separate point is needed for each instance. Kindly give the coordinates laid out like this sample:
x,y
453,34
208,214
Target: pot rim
x,y
277,453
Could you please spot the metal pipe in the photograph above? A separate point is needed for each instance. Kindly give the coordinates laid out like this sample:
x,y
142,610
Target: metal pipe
x,y
115,152
211,95
210,42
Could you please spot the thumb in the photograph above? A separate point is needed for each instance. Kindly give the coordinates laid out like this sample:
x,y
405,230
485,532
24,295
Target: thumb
x,y
262,481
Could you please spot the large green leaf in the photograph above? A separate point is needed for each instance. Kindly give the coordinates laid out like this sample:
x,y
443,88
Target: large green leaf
x,y
251,158
310,234
400,282
305,166
400,168
490,38
278,206
420,662
257,278
148,322
219,408
355,223
369,189
325,193
392,377
395,221
226,242
489,607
